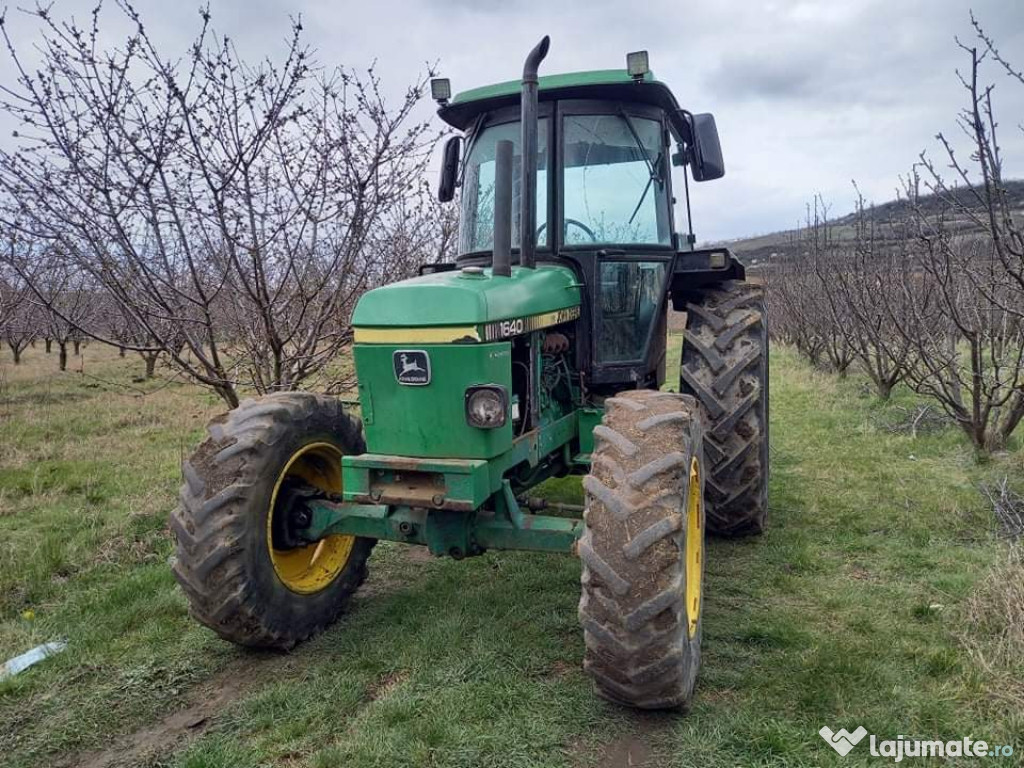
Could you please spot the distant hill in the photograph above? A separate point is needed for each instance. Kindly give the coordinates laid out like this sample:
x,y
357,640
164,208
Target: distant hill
x,y
756,250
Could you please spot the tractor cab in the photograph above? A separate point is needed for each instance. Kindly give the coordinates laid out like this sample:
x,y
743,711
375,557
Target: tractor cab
x,y
604,207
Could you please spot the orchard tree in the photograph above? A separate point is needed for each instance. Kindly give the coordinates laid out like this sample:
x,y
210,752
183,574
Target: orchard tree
x,y
967,332
233,211
18,319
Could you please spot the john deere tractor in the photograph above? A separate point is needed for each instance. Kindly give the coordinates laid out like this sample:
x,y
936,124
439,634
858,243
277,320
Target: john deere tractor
x,y
540,352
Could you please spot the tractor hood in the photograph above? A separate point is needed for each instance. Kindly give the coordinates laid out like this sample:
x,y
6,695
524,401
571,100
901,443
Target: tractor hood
x,y
462,305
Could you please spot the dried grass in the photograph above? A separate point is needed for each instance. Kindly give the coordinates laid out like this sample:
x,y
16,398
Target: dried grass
x,y
1008,507
994,626
915,420
5,393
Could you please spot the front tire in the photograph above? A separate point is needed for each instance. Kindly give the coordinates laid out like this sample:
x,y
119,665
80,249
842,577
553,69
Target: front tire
x,y
643,551
237,582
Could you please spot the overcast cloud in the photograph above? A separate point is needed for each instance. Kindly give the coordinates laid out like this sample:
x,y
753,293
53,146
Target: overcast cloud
x,y
807,95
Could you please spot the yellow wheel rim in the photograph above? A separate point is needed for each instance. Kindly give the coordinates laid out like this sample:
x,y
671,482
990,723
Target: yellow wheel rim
x,y
307,570
694,548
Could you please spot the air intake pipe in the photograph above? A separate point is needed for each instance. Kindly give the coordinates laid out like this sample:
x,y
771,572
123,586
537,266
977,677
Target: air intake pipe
x,y
528,187
501,261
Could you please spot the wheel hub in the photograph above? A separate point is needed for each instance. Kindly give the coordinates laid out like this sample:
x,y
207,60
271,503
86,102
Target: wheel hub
x,y
305,567
291,514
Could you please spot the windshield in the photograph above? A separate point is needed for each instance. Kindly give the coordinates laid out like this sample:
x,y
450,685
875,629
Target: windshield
x,y
613,181
477,226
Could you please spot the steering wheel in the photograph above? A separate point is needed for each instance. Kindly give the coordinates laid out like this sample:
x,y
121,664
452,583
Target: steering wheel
x,y
589,232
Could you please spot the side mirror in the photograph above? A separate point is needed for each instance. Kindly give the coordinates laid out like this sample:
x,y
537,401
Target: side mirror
x,y
707,164
449,169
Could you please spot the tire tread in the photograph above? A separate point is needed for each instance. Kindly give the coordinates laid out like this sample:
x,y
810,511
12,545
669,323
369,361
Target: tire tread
x,y
638,649
724,365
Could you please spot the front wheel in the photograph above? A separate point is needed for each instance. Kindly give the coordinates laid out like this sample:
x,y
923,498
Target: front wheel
x,y
643,551
243,578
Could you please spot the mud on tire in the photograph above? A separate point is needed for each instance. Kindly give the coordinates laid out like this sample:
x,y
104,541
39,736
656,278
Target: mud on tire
x,y
725,365
222,558
636,624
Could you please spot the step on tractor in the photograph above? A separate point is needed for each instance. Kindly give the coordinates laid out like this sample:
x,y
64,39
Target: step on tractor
x,y
539,352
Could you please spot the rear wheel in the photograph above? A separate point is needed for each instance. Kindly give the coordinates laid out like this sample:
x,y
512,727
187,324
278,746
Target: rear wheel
x,y
725,365
643,551
241,576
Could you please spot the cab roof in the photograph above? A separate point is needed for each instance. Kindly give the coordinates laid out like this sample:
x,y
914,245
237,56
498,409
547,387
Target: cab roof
x,y
610,84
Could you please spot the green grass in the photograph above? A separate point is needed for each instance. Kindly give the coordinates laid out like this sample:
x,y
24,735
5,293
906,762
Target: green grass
x,y
849,611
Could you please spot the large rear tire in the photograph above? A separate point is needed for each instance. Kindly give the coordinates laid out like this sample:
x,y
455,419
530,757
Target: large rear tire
x,y
725,365
238,583
643,551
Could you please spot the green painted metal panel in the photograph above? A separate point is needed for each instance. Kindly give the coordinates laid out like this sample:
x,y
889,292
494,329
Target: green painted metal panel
x,y
454,298
464,482
355,480
538,532
430,420
550,82
533,446
589,418
373,521
400,463
447,533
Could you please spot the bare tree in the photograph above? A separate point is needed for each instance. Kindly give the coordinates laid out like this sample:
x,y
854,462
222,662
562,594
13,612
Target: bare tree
x,y
966,350
864,301
419,230
798,297
988,205
21,329
67,302
18,320
228,209
123,329
967,327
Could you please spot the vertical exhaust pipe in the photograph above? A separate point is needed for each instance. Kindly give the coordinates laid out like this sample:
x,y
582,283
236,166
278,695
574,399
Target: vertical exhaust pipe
x,y
528,187
501,261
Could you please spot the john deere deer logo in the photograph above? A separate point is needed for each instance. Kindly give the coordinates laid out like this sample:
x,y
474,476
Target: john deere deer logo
x,y
409,366
412,367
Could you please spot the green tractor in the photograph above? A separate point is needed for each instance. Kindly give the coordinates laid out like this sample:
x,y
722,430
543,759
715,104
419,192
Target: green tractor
x,y
539,353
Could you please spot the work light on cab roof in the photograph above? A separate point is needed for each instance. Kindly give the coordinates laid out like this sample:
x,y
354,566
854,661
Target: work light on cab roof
x,y
637,65
539,351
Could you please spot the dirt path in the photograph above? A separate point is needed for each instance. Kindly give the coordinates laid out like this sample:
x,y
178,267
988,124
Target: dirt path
x,y
630,751
242,677
208,700
635,748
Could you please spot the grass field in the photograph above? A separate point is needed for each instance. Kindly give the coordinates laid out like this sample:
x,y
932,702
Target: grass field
x,y
852,610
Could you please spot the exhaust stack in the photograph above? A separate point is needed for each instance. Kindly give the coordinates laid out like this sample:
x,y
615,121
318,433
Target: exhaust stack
x,y
528,187
501,261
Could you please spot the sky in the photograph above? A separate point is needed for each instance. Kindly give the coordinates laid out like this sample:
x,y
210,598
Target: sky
x,y
808,96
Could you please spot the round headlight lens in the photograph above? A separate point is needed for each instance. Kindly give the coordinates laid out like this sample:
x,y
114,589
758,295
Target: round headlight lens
x,y
486,407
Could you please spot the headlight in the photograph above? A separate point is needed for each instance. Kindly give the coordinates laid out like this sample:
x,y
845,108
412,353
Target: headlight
x,y
486,406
